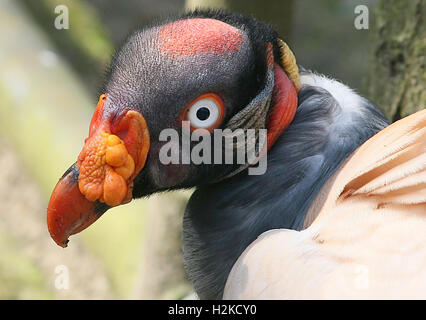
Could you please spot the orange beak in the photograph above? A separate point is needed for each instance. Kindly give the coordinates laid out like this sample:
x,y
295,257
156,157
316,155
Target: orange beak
x,y
113,155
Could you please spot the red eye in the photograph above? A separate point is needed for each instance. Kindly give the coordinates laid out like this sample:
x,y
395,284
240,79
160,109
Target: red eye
x,y
205,112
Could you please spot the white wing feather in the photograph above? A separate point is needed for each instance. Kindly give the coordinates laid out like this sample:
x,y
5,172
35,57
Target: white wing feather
x,y
369,238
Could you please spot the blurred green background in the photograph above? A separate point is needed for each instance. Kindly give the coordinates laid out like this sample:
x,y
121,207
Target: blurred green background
x,y
50,81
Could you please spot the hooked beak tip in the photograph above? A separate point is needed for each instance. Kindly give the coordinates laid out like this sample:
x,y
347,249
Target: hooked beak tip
x,y
69,212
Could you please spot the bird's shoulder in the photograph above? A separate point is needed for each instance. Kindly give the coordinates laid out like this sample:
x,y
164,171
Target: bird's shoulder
x,y
368,238
388,170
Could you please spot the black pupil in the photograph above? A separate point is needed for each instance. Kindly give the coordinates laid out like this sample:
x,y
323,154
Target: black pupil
x,y
203,113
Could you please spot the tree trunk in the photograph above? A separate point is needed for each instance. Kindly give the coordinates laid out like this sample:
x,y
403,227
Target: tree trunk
x,y
397,80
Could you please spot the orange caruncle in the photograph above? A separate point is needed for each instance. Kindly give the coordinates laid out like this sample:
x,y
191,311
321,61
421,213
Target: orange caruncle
x,y
115,187
116,152
105,167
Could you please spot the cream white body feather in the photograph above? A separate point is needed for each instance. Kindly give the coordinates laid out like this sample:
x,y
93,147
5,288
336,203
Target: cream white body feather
x,y
368,237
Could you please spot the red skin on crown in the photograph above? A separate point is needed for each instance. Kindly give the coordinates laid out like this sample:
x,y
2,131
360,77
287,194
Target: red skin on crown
x,y
198,35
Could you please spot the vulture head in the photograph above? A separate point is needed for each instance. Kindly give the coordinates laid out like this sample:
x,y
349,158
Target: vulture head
x,y
192,75
198,73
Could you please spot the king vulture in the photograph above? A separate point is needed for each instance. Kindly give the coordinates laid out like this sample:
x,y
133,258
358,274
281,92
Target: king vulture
x,y
340,211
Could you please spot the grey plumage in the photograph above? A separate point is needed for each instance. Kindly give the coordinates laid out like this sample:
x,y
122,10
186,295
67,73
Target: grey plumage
x,y
222,219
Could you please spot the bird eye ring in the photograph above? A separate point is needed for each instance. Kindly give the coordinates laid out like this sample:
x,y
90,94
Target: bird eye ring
x,y
205,112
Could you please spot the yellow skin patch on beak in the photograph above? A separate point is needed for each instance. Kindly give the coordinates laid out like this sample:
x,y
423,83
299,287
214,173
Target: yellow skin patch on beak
x,y
105,168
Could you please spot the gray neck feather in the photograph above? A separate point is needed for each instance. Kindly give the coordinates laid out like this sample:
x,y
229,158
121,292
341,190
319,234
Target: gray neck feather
x,y
222,219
